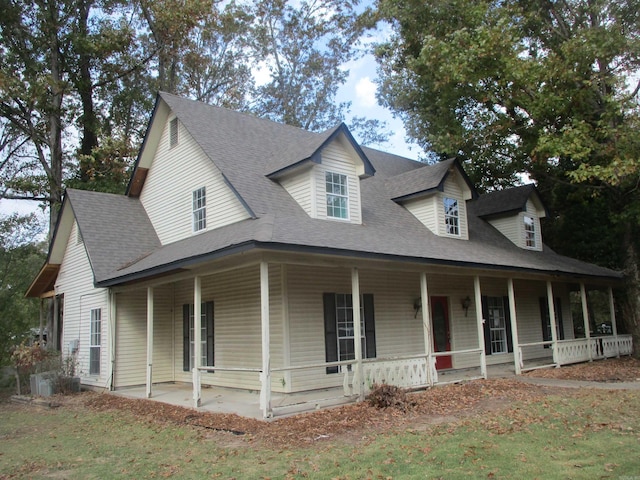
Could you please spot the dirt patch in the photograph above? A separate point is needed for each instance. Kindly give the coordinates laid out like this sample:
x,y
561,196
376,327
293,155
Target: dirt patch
x,y
626,369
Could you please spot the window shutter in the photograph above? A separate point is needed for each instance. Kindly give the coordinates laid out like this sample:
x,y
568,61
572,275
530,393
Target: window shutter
x,y
369,324
209,319
330,330
507,321
486,325
185,338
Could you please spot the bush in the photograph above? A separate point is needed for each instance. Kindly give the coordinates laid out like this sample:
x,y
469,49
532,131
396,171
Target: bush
x,y
389,396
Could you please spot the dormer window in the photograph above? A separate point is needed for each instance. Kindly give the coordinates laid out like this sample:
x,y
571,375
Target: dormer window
x,y
451,216
199,209
337,195
529,232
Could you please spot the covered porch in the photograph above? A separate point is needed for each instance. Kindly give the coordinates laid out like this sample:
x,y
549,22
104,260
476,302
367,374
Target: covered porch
x,y
284,369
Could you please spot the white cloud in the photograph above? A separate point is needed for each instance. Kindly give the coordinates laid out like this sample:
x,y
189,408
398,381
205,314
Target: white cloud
x,y
366,92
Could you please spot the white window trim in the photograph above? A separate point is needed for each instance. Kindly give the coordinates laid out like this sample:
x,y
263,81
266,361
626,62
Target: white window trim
x,y
446,216
503,328
533,230
196,210
346,197
95,339
203,335
347,308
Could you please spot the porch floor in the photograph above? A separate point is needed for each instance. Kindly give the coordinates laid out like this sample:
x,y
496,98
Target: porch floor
x,y
247,403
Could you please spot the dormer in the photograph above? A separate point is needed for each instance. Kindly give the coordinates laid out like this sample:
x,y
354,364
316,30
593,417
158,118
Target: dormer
x,y
436,195
323,175
516,213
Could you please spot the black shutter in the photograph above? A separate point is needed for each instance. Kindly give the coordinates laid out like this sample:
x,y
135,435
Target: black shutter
x,y
486,325
369,325
185,338
507,321
208,308
546,321
330,330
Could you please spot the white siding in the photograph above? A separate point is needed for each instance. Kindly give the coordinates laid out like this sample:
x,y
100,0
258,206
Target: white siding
x,y
424,209
75,282
237,325
167,193
299,186
336,159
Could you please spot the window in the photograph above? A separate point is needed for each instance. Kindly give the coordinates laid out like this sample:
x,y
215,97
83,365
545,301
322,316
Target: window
x,y
451,216
199,209
337,196
529,232
340,331
546,322
206,335
497,324
173,132
94,343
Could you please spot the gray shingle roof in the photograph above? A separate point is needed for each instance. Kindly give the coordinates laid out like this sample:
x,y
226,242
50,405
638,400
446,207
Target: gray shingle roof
x,y
246,149
504,201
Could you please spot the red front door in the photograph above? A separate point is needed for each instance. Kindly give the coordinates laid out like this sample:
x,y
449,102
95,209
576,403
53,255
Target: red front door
x,y
440,330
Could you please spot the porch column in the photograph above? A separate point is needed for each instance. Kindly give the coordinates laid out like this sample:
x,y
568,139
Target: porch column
x,y
197,340
52,336
41,335
585,319
357,331
426,325
614,325
149,339
480,323
265,377
514,328
552,323
112,338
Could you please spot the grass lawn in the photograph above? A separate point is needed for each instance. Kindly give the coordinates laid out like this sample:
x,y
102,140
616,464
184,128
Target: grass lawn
x,y
568,434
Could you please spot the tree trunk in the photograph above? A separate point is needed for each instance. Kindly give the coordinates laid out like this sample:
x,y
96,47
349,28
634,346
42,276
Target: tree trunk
x,y
630,304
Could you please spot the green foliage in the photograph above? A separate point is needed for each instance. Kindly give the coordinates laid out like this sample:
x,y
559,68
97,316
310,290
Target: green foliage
x,y
20,260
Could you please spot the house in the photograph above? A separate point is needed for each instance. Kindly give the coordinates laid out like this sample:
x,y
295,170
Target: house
x,y
252,255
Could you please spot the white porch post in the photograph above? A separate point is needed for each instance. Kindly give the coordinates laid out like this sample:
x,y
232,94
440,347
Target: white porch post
x,y
480,323
357,331
585,319
265,377
149,339
52,337
552,322
41,332
197,339
426,325
514,328
614,325
112,338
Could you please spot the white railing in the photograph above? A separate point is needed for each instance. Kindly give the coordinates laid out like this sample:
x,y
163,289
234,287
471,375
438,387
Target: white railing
x,y
401,372
582,350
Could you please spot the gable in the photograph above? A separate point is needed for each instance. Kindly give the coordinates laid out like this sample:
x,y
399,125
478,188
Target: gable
x,y
174,173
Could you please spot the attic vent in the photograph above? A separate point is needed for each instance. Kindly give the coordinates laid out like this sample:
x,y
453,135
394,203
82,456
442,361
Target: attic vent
x,y
173,132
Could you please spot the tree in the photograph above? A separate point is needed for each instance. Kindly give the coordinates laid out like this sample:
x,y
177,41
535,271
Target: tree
x,y
20,260
303,48
534,86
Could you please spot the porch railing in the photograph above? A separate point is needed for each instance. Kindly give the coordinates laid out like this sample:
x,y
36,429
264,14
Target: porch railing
x,y
582,349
